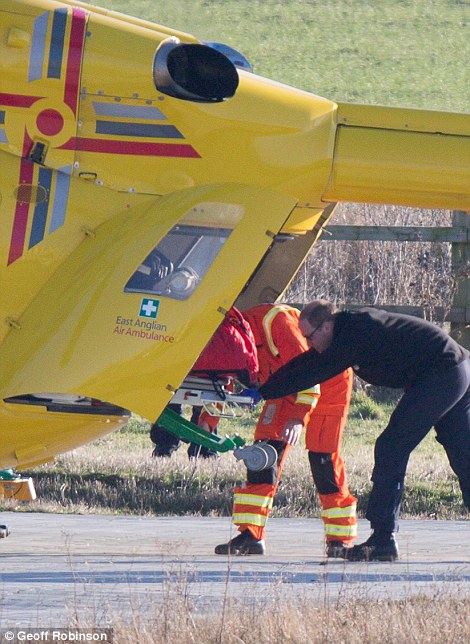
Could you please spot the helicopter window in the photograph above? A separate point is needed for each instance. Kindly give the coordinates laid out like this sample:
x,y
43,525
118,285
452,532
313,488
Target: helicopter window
x,y
178,263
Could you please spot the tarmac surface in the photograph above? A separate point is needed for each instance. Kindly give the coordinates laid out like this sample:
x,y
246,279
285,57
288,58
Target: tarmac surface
x,y
62,569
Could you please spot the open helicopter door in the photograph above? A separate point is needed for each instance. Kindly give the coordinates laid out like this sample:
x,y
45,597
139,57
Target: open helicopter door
x,y
128,312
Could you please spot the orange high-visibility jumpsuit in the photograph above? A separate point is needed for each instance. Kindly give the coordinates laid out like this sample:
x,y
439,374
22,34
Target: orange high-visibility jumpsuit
x,y
278,336
323,441
278,339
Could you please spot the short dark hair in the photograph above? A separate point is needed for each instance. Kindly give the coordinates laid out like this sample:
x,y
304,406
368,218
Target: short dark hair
x,y
318,311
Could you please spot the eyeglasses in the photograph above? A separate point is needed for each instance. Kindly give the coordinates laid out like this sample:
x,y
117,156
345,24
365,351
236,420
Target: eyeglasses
x,y
310,335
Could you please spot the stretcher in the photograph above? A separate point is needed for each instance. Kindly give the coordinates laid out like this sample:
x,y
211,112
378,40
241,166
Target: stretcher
x,y
182,428
218,396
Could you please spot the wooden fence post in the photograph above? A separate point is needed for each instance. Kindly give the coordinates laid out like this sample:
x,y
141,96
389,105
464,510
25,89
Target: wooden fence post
x,y
461,274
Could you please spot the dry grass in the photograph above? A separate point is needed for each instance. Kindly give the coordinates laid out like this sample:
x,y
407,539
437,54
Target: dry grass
x,y
349,620
379,272
117,474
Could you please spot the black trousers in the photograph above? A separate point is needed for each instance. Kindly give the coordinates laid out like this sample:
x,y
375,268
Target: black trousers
x,y
440,400
166,443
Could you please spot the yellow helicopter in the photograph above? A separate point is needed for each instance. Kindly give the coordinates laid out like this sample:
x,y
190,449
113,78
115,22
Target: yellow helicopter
x,y
149,182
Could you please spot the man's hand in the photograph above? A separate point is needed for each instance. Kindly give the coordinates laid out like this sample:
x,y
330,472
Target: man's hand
x,y
292,431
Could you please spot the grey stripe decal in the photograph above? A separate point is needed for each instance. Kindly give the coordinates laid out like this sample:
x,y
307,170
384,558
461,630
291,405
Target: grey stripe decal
x,y
129,111
138,129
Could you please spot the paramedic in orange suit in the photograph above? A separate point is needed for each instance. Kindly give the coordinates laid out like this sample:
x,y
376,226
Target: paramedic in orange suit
x,y
278,338
323,442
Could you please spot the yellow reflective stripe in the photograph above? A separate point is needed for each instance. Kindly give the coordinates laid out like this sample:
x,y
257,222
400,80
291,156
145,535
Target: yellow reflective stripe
x,y
253,499
267,324
340,530
309,396
312,391
251,519
337,513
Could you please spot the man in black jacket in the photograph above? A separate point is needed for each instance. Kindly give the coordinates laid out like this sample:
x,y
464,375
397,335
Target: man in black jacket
x,y
389,350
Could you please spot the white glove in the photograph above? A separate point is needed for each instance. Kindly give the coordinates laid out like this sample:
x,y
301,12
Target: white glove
x,y
292,431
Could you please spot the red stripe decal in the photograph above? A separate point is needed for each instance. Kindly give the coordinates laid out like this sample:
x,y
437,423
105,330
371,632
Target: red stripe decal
x,y
20,221
18,100
131,147
74,60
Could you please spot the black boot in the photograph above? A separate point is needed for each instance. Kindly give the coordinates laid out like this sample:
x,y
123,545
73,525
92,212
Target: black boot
x,y
337,550
380,546
244,544
198,451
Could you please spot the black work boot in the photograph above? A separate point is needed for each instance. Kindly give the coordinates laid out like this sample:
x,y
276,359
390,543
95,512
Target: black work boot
x,y
244,544
380,546
337,549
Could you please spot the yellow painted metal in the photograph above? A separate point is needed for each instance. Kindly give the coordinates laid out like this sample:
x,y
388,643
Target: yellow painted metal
x,y
82,334
403,119
32,436
302,220
98,166
276,147
410,157
287,146
91,206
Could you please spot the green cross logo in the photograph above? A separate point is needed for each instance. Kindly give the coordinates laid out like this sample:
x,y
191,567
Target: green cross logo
x,y
149,308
